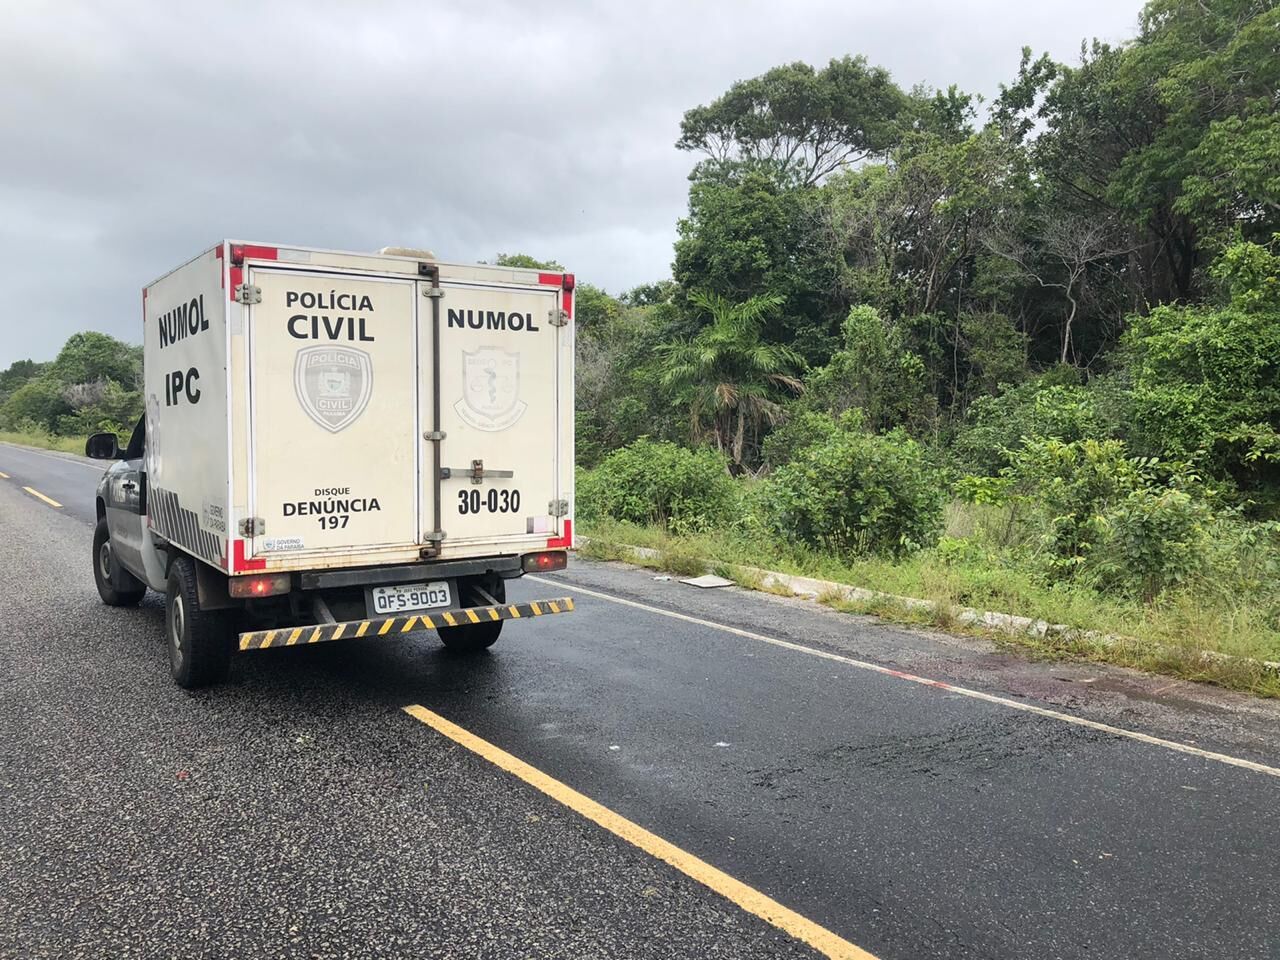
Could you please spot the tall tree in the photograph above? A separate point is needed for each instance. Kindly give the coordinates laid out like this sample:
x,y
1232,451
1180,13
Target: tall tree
x,y
800,123
729,377
1061,253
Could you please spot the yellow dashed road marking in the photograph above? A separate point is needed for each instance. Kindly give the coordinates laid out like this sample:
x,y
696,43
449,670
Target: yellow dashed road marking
x,y
40,496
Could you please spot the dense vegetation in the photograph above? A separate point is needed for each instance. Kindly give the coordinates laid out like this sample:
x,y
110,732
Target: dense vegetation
x,y
1039,336
95,383
1026,348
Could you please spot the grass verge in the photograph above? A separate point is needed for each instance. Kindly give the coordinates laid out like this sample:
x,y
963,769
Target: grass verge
x,y
45,441
1190,634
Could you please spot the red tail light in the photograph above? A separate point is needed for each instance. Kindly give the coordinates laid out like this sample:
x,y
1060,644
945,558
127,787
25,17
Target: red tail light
x,y
265,585
544,562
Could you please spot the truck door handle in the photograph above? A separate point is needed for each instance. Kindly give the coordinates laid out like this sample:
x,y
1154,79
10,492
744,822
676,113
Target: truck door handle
x,y
128,485
476,472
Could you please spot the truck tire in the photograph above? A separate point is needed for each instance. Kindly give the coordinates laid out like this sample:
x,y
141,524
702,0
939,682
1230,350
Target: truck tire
x,y
106,573
199,641
475,637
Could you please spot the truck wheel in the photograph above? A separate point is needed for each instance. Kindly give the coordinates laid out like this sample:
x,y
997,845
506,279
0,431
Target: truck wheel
x,y
104,567
199,640
475,637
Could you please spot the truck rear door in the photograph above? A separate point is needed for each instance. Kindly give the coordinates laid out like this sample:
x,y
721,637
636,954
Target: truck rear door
x,y
333,410
499,411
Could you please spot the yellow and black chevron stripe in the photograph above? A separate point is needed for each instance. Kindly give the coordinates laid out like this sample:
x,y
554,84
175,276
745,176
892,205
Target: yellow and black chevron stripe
x,y
353,629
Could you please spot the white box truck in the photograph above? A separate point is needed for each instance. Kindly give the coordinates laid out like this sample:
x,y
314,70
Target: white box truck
x,y
340,445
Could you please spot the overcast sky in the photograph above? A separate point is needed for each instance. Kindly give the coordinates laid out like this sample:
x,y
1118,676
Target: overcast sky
x,y
136,136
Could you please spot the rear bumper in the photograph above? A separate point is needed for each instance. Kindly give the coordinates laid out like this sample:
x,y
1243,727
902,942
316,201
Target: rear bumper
x,y
386,626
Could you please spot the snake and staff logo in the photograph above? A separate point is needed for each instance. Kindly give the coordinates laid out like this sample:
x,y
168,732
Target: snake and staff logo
x,y
333,384
490,389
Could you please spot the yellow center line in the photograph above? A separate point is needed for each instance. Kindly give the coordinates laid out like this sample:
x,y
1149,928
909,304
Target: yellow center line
x,y
748,898
3,475
40,496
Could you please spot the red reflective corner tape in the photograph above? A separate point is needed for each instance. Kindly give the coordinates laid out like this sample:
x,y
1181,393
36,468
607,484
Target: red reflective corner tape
x,y
551,279
258,253
565,541
237,276
567,300
217,251
238,561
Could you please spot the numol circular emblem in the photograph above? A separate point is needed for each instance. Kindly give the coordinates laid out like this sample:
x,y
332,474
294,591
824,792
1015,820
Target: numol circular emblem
x,y
333,384
490,389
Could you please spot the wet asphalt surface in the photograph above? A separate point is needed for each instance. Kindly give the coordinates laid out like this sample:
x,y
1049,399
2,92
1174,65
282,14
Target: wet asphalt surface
x,y
297,811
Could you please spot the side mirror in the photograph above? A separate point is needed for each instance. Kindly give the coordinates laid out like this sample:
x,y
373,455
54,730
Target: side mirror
x,y
103,446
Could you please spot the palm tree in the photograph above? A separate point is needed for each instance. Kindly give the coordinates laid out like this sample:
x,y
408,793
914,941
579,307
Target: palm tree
x,y
728,375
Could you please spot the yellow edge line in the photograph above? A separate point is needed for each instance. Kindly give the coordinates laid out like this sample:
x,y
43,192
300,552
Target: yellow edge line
x,y
40,496
748,898
3,475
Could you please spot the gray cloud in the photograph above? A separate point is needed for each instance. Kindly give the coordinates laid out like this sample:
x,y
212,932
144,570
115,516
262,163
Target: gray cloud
x,y
137,135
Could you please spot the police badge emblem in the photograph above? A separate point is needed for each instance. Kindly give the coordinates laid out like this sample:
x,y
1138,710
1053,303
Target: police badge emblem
x,y
490,389
333,384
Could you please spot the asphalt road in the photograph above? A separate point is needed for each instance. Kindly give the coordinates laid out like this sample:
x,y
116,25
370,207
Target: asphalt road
x,y
298,811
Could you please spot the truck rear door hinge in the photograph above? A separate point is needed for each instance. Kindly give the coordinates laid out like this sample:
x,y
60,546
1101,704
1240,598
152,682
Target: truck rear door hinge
x,y
558,508
248,293
558,318
253,527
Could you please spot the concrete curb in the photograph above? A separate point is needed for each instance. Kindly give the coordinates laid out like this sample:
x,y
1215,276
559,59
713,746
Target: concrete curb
x,y
813,588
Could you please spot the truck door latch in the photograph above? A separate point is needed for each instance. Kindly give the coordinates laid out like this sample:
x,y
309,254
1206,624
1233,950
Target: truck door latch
x,y
476,472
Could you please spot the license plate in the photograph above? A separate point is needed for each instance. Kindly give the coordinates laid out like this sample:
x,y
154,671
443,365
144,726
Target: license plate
x,y
410,596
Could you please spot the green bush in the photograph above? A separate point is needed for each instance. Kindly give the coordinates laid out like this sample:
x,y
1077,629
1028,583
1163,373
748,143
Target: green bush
x,y
1132,525
857,493
1069,486
1206,382
801,431
1151,540
1054,405
681,490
